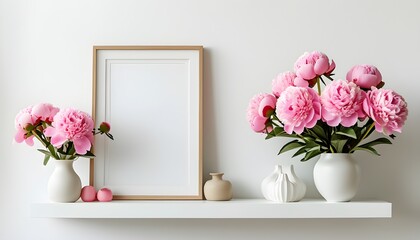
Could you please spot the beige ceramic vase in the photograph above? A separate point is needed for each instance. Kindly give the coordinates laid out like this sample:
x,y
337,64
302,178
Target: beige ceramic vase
x,y
218,189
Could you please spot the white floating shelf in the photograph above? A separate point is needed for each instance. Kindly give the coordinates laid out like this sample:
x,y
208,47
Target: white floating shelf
x,y
237,208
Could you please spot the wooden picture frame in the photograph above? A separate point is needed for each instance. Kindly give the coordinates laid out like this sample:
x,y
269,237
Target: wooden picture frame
x,y
152,97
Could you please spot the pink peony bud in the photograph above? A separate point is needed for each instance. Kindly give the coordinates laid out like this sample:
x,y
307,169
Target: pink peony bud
x,y
105,127
312,65
365,76
24,117
267,106
22,120
256,120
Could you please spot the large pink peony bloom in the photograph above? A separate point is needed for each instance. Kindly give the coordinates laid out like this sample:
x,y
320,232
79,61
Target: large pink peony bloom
x,y
314,64
297,108
22,120
259,107
283,81
72,125
342,102
365,76
387,108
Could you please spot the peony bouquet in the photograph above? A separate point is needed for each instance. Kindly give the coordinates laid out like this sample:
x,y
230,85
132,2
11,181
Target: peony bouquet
x,y
66,134
335,120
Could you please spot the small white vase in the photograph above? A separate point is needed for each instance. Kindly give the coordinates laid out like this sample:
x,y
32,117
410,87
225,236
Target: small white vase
x,y
64,184
277,187
337,177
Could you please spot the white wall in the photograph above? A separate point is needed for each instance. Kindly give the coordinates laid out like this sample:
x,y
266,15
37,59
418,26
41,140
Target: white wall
x,y
46,56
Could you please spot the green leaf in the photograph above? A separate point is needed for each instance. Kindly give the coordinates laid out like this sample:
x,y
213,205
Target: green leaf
x,y
380,85
329,76
319,131
300,151
392,136
366,127
110,136
311,144
290,146
29,127
310,155
271,134
349,132
83,156
285,134
322,80
308,147
309,139
338,144
89,154
376,142
276,132
368,149
46,159
53,151
45,152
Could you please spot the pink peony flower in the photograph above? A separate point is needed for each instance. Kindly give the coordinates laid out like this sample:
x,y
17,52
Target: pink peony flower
x,y
297,108
282,81
44,112
72,125
342,102
365,76
311,65
387,108
257,108
22,120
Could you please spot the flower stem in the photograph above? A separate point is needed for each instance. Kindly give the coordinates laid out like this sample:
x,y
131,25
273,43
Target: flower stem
x,y
367,133
46,144
319,86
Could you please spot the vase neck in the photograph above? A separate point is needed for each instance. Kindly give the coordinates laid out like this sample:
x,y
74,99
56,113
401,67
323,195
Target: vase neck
x,y
216,176
63,162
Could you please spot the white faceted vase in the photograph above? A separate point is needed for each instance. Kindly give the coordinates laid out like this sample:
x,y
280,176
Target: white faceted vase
x,y
337,176
64,184
282,185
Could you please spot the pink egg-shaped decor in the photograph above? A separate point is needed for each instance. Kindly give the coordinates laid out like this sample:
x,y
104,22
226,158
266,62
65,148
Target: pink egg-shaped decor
x,y
88,194
104,195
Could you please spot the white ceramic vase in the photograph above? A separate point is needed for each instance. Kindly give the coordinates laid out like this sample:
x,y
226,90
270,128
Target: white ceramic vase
x,y
283,185
337,176
64,184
